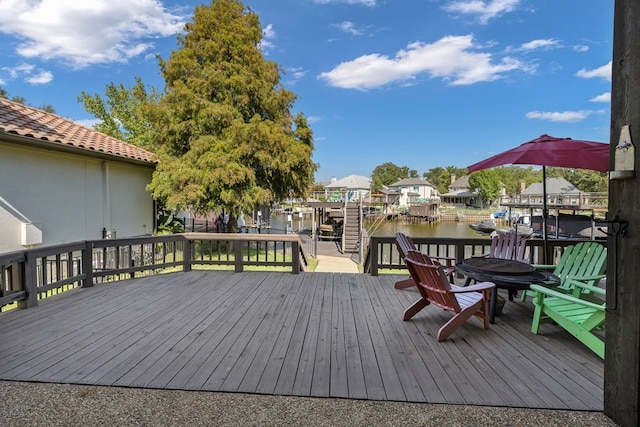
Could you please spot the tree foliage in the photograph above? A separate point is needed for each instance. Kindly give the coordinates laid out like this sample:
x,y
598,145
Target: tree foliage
x,y
22,100
224,130
121,114
441,177
487,184
584,180
387,173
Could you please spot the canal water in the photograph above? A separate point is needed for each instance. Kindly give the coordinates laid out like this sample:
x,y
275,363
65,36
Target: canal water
x,y
453,229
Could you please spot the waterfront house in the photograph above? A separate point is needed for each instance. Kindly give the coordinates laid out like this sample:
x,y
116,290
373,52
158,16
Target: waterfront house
x,y
459,193
560,188
63,182
352,187
414,190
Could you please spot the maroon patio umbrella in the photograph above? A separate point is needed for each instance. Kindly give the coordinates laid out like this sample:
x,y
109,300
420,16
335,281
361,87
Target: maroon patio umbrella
x,y
550,151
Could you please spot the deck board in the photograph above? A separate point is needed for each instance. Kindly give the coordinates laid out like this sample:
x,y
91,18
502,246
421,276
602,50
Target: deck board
x,y
310,334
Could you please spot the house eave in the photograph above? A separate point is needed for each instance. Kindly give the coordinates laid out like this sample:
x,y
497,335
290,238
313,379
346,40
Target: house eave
x,y
12,138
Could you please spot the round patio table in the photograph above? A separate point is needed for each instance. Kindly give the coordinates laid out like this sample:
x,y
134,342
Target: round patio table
x,y
505,274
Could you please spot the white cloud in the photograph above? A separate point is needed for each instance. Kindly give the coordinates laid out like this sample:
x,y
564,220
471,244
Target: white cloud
x,y
348,27
27,72
43,77
484,10
603,72
562,116
581,48
296,74
451,58
88,123
362,2
539,44
268,34
604,97
86,32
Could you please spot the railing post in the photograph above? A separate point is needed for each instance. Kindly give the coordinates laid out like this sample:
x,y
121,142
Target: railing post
x,y
373,256
295,256
87,265
186,255
30,284
237,253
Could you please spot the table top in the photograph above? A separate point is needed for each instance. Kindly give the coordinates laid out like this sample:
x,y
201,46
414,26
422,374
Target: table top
x,y
498,265
510,274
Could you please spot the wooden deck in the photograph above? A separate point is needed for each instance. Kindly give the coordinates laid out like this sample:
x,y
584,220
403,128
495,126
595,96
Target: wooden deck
x,y
310,334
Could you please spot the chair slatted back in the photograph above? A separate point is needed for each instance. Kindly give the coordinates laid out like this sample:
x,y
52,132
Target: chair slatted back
x,y
404,244
431,280
581,259
508,246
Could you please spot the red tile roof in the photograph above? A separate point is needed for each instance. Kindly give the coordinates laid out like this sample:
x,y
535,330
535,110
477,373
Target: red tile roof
x,y
22,120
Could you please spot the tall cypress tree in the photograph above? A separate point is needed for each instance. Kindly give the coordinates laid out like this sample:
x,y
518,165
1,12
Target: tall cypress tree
x,y
224,130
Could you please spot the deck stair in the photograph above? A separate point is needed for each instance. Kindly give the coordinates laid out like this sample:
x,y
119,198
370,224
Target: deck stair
x,y
352,227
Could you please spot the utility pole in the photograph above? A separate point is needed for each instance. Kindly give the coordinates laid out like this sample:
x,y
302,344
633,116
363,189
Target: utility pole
x,y
622,346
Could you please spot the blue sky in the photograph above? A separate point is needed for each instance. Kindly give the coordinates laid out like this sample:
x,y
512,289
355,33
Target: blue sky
x,y
420,83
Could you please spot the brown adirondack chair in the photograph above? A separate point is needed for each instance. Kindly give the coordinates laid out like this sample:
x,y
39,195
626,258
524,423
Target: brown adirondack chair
x,y
405,244
435,289
507,246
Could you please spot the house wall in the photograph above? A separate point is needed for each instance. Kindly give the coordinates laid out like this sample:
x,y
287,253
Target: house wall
x,y
425,191
69,197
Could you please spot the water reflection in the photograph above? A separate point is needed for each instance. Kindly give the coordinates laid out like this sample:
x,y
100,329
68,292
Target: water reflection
x,y
441,229
278,224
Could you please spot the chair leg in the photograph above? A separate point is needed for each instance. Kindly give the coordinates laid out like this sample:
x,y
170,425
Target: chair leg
x,y
406,283
415,308
453,324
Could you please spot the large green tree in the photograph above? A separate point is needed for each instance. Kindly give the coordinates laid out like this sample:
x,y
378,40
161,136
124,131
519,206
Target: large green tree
x,y
487,184
224,130
121,113
388,173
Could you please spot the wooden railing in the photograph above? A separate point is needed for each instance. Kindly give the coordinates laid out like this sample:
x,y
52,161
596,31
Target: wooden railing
x,y
382,253
26,276
578,201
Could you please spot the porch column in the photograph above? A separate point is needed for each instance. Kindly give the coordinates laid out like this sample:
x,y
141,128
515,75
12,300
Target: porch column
x,y
622,355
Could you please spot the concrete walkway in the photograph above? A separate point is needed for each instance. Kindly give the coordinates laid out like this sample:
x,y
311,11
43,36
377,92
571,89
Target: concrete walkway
x,y
332,264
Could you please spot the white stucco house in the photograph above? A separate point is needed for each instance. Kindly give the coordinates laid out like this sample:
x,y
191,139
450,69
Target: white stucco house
x,y
414,190
62,182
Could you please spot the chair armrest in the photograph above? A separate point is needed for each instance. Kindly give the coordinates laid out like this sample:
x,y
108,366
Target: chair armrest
x,y
551,293
448,260
472,288
585,278
586,287
480,256
543,266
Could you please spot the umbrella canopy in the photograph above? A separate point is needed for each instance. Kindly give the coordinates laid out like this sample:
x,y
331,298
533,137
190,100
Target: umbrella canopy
x,y
551,151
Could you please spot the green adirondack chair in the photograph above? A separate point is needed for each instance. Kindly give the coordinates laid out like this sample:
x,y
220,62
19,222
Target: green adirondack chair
x,y
584,261
575,314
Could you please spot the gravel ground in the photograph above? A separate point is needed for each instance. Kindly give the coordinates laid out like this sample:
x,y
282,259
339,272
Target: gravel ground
x,y
38,404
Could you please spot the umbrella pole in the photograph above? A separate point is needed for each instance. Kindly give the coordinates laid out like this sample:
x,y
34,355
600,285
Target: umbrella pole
x,y
545,215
